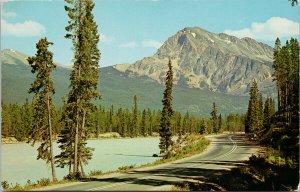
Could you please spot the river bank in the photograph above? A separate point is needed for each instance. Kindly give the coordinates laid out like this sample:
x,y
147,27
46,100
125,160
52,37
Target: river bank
x,y
193,145
108,135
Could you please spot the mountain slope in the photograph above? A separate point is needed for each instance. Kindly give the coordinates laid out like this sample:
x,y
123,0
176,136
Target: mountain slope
x,y
215,62
116,88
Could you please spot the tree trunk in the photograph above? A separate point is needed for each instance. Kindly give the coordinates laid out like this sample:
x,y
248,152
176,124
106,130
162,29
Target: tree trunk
x,y
81,167
50,139
76,141
76,133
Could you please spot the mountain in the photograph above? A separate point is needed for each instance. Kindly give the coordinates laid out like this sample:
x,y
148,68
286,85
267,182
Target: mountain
x,y
116,87
209,61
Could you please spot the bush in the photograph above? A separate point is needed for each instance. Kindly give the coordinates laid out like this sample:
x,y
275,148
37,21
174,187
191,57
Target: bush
x,y
95,172
29,183
4,185
73,176
125,168
43,182
16,187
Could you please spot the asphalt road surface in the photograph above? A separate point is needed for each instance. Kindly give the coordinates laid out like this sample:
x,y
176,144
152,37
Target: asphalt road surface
x,y
224,152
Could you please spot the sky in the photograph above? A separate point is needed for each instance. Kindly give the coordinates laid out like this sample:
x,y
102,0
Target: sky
x,y
133,29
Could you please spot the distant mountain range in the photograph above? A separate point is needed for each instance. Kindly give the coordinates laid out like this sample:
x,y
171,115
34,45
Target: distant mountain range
x,y
209,61
208,68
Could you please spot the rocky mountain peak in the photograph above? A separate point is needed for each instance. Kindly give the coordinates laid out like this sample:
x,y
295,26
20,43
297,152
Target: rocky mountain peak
x,y
205,60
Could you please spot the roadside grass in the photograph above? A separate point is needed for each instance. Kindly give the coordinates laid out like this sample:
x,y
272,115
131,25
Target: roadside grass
x,y
193,144
5,186
126,168
266,172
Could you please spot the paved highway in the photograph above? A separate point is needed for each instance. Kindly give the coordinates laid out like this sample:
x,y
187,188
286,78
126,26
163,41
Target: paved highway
x,y
224,152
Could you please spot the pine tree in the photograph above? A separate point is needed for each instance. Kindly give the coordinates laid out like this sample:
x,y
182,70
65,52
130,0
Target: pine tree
x,y
143,125
6,123
166,114
82,30
27,118
254,119
294,2
42,64
186,122
220,123
150,130
203,127
214,118
135,117
120,121
260,112
269,110
286,65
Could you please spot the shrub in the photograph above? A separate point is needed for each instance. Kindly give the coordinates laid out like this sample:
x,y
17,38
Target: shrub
x,y
4,185
95,172
29,183
73,176
43,181
125,168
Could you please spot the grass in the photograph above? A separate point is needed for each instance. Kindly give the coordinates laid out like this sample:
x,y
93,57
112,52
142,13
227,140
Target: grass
x,y
126,168
95,172
195,144
266,172
31,185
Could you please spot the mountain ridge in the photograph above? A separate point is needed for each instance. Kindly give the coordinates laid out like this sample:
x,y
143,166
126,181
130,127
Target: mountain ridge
x,y
210,61
117,89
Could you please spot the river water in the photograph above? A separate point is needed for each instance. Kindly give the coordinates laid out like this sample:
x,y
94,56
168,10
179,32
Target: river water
x,y
19,160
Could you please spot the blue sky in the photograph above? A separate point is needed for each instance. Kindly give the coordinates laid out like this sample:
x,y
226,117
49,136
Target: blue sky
x,y
133,29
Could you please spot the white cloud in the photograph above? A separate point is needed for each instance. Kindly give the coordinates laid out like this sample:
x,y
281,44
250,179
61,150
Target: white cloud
x,y
26,29
131,45
269,30
152,44
8,14
106,39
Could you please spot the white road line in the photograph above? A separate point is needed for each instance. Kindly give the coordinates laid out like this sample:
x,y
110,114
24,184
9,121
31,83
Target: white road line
x,y
146,177
224,155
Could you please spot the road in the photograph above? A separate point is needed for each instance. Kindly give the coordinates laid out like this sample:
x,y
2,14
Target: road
x,y
224,152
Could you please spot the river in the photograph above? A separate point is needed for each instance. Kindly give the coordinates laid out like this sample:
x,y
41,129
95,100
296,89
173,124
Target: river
x,y
19,160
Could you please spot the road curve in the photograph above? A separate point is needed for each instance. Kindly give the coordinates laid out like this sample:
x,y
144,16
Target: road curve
x,y
224,152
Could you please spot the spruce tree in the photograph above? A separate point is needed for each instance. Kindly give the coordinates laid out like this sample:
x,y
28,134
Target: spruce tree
x,y
82,30
42,87
143,124
269,110
286,65
214,118
203,127
135,117
260,112
186,122
150,130
254,119
220,123
166,114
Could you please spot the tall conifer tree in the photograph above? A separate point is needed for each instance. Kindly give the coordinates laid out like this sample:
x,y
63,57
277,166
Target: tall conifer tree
x,y
82,30
220,122
166,114
254,118
135,117
143,124
214,118
42,64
